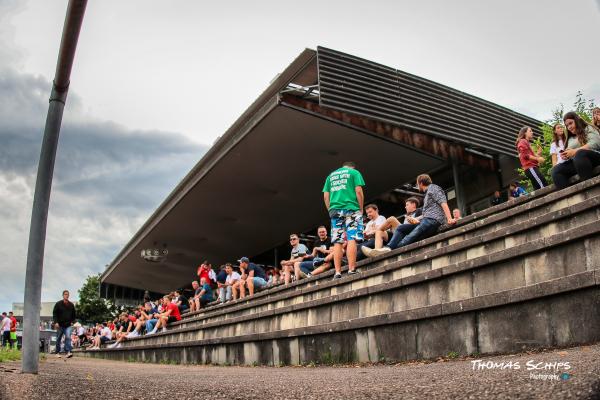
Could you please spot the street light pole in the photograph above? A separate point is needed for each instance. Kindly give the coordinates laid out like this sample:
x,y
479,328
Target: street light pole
x,y
43,184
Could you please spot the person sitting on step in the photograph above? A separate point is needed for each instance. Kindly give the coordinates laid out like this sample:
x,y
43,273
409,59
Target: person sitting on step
x,y
253,277
371,228
320,252
581,153
299,252
169,315
412,217
435,213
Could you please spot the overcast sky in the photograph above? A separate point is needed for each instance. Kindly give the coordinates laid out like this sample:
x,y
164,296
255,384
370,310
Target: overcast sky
x,y
155,83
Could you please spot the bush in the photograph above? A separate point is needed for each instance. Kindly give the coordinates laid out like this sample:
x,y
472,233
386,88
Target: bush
x,y
9,354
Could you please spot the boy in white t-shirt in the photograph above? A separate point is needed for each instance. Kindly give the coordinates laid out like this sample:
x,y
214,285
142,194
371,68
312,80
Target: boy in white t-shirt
x,y
232,277
375,221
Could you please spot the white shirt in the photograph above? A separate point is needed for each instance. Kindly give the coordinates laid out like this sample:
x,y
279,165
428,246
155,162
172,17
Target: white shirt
x,y
374,224
233,277
80,331
212,275
106,332
5,324
554,149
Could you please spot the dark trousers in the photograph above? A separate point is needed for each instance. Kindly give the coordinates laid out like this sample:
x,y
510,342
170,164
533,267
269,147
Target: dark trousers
x,y
582,164
367,243
537,179
406,234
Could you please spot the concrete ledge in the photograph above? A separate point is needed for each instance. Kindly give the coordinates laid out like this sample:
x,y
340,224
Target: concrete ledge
x,y
486,261
513,209
423,333
451,268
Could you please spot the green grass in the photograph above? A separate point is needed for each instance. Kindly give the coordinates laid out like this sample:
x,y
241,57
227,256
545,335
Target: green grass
x,y
9,354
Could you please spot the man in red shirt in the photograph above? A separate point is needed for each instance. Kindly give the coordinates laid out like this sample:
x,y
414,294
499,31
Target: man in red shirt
x,y
170,314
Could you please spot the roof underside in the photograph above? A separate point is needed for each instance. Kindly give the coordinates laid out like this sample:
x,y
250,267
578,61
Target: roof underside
x,y
268,186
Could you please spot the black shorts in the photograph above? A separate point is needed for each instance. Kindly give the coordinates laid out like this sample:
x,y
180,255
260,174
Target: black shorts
x,y
171,319
204,302
104,339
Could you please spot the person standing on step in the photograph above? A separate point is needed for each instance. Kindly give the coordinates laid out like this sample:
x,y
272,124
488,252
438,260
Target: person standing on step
x,y
344,199
582,151
530,161
64,316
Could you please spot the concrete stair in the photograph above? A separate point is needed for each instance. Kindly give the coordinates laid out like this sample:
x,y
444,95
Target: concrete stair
x,y
523,274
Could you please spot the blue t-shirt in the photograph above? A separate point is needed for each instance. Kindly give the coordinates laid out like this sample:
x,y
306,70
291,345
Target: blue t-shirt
x,y
258,271
208,294
221,276
519,191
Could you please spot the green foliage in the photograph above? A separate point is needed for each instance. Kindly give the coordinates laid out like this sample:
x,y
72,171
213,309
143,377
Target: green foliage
x,y
7,354
583,107
91,308
453,354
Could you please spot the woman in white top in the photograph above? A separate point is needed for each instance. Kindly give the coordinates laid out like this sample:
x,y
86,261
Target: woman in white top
x,y
558,143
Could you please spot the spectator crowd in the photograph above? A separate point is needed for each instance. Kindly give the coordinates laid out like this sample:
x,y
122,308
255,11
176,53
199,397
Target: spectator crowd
x,y
575,150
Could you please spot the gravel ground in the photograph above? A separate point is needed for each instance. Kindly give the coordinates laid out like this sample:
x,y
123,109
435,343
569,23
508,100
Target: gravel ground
x,y
82,378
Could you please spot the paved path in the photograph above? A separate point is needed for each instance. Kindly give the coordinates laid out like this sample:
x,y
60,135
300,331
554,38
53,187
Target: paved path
x,y
82,378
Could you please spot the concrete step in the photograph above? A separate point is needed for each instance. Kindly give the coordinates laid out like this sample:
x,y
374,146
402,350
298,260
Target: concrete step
x,y
437,296
495,219
383,270
524,265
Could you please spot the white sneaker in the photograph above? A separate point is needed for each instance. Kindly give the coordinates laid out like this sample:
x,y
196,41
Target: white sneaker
x,y
58,355
69,355
113,345
366,251
378,252
152,332
164,329
133,334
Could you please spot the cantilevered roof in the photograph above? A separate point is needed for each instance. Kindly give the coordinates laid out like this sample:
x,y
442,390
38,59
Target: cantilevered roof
x,y
262,179
366,88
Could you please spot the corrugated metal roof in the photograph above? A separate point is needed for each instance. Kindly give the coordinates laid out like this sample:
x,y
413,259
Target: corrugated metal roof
x,y
363,87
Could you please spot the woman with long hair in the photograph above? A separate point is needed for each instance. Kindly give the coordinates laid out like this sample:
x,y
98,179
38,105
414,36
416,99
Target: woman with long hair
x,y
582,151
558,143
596,117
530,161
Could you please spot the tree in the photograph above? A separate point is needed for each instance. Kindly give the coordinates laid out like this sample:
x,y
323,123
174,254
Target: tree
x,y
91,308
583,107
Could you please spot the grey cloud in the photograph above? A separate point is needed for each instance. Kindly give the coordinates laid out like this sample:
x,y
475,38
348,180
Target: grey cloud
x,y
108,180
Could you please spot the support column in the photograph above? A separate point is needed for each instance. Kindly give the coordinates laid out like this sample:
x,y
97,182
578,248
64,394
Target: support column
x,y
458,188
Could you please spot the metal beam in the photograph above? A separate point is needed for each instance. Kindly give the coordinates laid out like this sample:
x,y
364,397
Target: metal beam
x,y
41,199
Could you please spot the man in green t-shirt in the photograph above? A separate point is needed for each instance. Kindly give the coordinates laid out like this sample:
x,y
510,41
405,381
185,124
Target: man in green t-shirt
x,y
344,199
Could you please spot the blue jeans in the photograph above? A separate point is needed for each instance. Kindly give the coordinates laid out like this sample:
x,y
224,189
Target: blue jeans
x,y
259,283
150,324
224,293
66,332
406,234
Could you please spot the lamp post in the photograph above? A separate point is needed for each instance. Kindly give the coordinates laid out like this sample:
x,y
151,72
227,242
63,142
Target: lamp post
x,y
43,184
